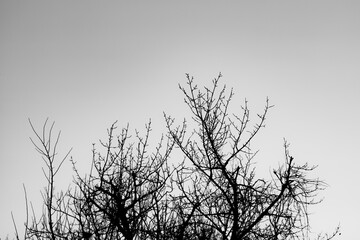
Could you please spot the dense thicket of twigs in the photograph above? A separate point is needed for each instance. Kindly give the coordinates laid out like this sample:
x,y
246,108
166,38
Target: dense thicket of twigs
x,y
135,192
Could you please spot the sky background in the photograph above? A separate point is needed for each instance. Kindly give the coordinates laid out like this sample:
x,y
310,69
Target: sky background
x,y
85,64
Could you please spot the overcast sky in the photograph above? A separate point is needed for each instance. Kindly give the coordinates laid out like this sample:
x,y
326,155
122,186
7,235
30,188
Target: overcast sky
x,y
85,64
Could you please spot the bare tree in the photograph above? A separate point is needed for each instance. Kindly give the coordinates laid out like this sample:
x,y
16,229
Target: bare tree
x,y
218,182
121,197
53,222
132,192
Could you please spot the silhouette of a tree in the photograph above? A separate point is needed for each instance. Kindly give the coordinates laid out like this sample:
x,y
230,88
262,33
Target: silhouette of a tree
x,y
126,186
53,222
218,182
135,192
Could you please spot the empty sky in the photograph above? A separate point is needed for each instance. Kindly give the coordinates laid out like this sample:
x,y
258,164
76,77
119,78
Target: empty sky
x,y
85,64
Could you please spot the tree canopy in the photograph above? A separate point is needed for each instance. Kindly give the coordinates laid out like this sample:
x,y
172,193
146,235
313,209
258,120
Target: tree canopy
x,y
213,192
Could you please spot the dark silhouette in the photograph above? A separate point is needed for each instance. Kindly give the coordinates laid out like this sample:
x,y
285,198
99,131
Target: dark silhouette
x,y
135,192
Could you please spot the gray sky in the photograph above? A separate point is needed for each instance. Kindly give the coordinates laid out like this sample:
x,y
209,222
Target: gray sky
x,y
85,64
